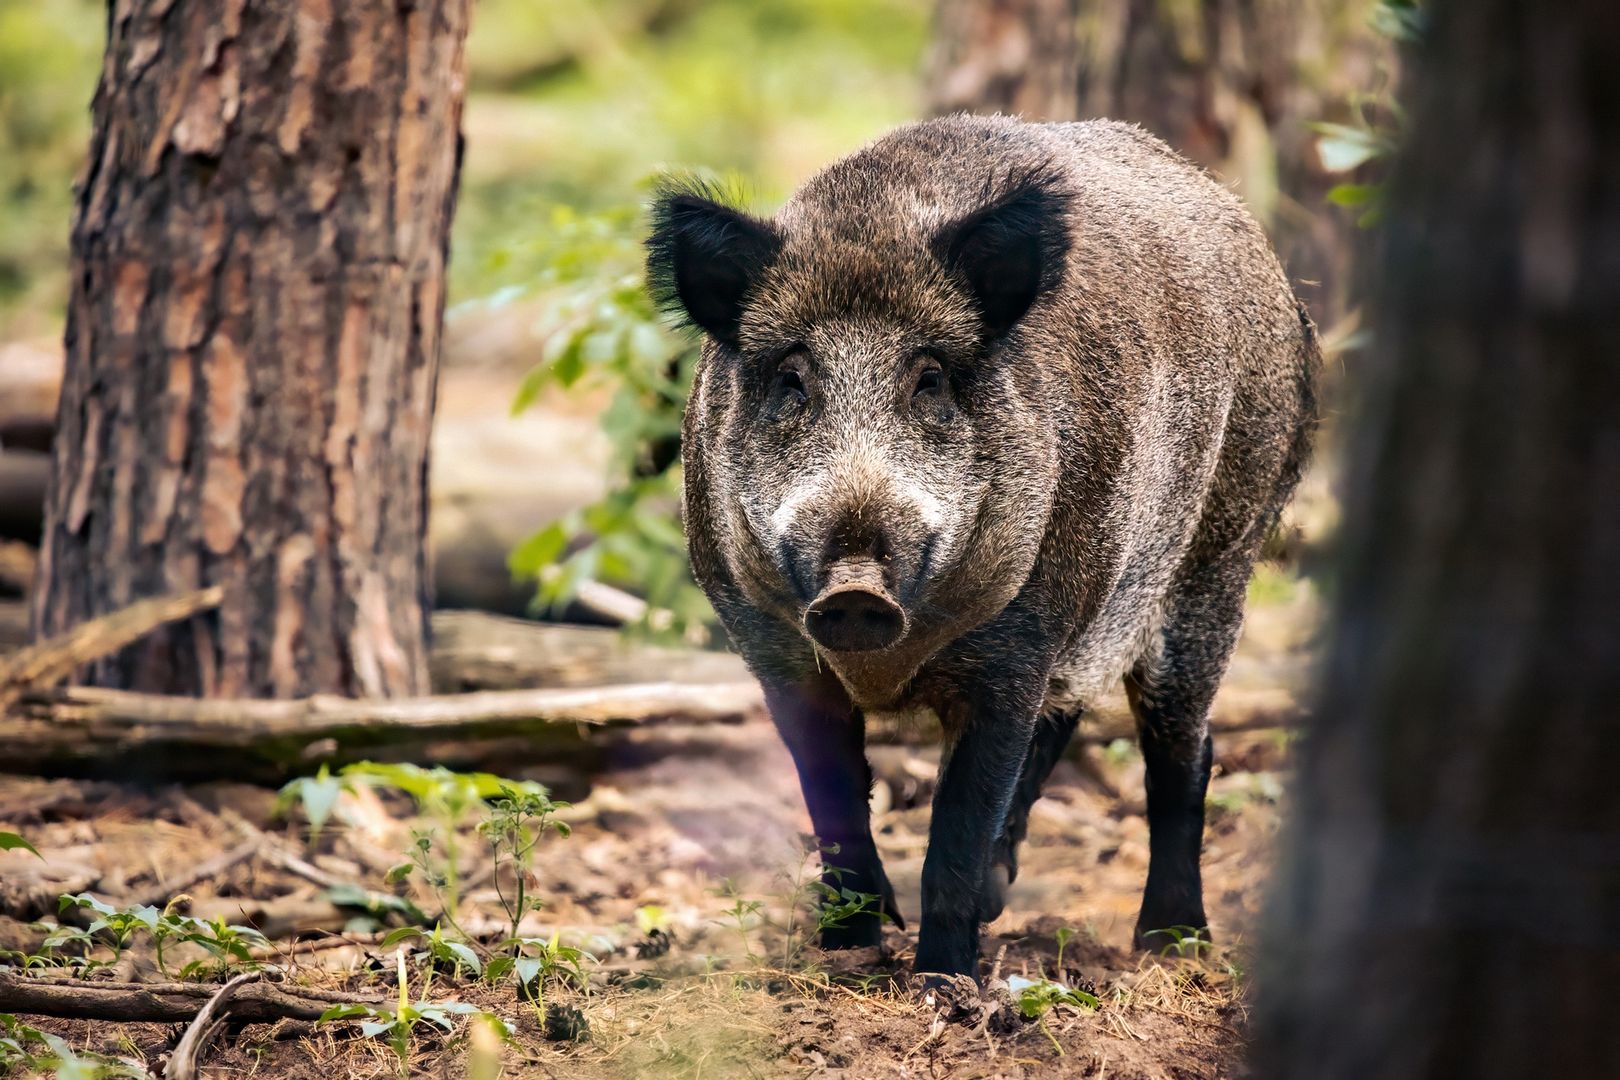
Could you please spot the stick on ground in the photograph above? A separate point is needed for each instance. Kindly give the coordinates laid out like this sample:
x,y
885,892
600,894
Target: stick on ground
x,y
183,1062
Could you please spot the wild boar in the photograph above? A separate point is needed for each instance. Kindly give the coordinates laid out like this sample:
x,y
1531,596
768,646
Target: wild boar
x,y
990,415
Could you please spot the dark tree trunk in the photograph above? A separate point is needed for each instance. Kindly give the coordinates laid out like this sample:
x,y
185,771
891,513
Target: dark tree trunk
x,y
1448,905
259,251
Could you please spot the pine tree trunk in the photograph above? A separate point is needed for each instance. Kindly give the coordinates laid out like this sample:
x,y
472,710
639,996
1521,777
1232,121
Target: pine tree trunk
x,y
1008,56
1232,84
1449,901
258,253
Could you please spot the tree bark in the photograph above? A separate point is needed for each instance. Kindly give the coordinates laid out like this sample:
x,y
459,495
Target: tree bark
x,y
1008,56
1447,906
1232,84
258,252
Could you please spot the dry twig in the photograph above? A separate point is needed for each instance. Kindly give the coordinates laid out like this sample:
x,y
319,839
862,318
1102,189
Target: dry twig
x,y
183,1062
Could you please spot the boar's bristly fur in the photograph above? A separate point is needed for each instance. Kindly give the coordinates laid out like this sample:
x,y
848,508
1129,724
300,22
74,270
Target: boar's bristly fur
x,y
990,415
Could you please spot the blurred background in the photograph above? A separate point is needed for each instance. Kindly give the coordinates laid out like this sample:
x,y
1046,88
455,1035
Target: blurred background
x,y
555,465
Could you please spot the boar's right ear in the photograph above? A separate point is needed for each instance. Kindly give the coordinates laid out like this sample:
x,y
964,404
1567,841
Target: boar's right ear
x,y
1010,251
703,257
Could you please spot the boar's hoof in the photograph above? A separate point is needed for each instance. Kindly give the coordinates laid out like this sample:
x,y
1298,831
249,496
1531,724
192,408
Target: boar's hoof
x,y
855,619
993,900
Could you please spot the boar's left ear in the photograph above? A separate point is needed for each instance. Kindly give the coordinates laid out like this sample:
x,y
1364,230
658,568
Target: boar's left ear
x,y
1010,251
703,257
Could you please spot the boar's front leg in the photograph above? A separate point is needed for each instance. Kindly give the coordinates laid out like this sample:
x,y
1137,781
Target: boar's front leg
x,y
991,739
827,738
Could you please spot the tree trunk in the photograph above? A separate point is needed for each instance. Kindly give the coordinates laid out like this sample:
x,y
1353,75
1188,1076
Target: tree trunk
x,y
1448,904
259,249
1232,84
1008,56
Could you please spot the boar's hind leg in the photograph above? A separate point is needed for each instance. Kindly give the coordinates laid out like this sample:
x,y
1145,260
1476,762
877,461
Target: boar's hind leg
x,y
828,742
1170,691
1051,738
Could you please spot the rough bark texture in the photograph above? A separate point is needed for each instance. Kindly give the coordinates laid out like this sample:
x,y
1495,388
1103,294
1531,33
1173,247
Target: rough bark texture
x,y
1232,84
1448,905
259,248
1009,56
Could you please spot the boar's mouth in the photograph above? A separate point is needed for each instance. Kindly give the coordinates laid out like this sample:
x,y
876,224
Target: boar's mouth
x,y
855,612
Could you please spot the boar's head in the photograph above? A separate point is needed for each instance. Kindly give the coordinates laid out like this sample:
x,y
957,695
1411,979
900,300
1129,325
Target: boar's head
x,y
878,457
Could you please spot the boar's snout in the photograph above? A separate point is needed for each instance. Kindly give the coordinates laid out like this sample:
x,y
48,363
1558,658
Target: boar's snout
x,y
855,612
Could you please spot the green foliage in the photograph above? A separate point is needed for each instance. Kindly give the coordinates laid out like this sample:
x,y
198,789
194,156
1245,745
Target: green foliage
x,y
10,841
573,101
446,798
1187,942
1037,997
26,1050
537,962
49,55
396,1023
317,795
226,945
829,905
1378,127
516,822
610,337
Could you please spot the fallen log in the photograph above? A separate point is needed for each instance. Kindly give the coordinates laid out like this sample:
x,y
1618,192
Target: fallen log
x,y
94,731
476,651
55,658
130,1002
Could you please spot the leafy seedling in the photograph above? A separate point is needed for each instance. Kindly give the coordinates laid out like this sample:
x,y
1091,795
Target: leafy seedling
x,y
1036,997
395,1024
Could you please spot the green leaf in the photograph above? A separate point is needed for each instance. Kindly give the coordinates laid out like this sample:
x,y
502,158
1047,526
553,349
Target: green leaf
x,y
345,1012
10,841
402,934
539,551
1352,194
464,956
1343,148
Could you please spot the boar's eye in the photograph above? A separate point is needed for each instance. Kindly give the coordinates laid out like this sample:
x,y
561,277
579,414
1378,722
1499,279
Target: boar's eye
x,y
930,381
790,386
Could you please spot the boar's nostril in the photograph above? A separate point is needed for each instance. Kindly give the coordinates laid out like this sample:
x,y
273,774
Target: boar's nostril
x,y
855,619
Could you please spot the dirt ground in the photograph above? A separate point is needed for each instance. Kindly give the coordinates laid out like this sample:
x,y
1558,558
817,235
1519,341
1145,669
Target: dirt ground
x,y
680,825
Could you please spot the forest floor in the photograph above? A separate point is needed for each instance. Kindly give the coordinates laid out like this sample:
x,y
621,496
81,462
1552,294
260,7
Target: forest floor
x,y
685,880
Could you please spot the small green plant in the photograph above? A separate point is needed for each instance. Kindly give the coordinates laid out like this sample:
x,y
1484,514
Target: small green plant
x,y
830,903
1063,936
538,961
516,823
1037,997
446,798
228,945
28,1050
745,914
1187,942
396,1024
10,841
317,795
1120,751
438,949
